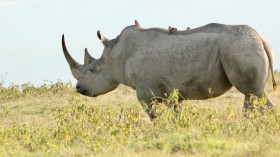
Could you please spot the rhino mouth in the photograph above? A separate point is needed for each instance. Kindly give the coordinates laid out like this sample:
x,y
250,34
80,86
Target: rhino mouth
x,y
85,93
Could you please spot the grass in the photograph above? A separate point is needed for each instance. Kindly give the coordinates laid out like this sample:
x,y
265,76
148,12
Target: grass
x,y
52,120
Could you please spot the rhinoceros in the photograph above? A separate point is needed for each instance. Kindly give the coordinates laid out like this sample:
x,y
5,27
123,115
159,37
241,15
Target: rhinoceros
x,y
154,62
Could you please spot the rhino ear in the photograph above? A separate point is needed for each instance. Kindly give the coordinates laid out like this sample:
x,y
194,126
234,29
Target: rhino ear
x,y
88,59
137,24
104,40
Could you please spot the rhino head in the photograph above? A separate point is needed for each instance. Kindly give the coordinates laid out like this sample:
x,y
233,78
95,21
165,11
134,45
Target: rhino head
x,y
95,76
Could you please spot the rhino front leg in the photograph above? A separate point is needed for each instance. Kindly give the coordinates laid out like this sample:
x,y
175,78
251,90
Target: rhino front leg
x,y
145,97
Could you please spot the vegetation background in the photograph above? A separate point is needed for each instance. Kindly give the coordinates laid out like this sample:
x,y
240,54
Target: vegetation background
x,y
52,120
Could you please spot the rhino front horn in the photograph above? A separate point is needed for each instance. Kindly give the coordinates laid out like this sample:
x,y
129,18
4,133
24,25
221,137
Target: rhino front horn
x,y
74,65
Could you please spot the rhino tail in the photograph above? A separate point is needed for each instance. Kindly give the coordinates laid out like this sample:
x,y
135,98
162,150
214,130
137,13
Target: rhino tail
x,y
268,50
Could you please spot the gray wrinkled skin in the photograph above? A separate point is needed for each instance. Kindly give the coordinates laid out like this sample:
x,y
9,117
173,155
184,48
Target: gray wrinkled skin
x,y
154,62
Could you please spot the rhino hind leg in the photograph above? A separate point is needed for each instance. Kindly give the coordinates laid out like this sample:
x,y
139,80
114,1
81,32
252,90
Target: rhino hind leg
x,y
249,79
269,103
248,106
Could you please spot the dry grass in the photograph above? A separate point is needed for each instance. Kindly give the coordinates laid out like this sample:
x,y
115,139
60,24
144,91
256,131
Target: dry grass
x,y
52,120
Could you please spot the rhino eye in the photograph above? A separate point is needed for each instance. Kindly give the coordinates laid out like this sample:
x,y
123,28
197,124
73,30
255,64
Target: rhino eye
x,y
92,70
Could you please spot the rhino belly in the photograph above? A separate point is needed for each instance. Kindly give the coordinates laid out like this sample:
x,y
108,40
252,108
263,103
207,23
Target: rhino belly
x,y
202,83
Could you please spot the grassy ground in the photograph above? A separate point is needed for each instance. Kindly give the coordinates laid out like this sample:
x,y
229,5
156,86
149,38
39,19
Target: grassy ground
x,y
52,120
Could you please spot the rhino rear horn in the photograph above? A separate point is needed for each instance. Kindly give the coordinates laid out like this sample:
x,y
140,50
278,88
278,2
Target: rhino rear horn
x,y
88,59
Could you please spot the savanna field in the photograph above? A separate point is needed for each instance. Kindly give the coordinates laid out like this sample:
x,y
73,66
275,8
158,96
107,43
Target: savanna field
x,y
53,120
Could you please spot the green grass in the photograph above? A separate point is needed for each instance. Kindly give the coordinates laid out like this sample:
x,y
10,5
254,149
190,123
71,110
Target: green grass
x,y
52,120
